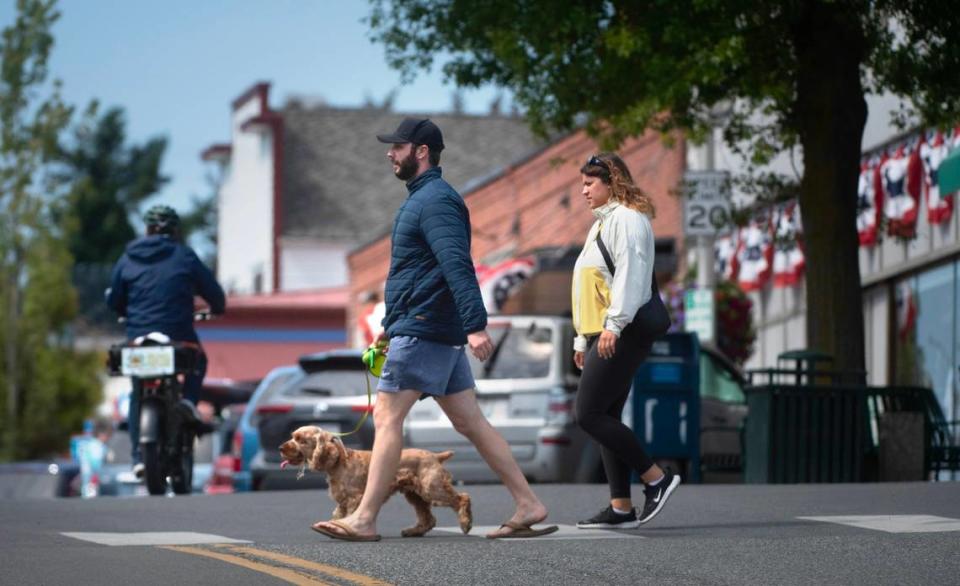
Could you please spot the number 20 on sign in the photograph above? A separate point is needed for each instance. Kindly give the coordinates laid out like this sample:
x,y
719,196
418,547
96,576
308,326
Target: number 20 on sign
x,y
706,205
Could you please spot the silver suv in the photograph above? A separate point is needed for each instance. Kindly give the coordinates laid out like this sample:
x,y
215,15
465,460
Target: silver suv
x,y
527,391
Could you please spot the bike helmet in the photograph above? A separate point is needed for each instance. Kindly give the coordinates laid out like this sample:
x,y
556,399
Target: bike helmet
x,y
163,219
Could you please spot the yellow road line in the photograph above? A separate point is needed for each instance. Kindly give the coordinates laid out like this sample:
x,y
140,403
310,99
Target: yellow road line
x,y
281,573
332,571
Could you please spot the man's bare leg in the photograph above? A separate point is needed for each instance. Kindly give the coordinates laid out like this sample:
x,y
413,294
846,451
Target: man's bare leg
x,y
464,412
388,416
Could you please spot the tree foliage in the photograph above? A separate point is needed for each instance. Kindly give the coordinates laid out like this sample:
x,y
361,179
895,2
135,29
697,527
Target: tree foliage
x,y
199,223
632,65
109,180
784,73
48,387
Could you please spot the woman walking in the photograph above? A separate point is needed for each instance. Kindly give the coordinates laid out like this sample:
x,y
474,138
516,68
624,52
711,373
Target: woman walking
x,y
618,314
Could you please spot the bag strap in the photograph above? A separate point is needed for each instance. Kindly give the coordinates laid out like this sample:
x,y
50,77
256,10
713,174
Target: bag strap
x,y
609,260
606,254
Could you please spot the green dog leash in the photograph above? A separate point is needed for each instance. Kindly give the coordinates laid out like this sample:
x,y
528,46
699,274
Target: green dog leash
x,y
373,358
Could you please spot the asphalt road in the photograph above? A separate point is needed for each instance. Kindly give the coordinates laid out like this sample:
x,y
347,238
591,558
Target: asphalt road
x,y
902,534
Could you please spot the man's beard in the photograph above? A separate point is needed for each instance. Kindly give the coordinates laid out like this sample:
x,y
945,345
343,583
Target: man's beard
x,y
408,167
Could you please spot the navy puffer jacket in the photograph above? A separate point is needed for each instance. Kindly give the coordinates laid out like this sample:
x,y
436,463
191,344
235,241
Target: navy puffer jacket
x,y
153,285
432,289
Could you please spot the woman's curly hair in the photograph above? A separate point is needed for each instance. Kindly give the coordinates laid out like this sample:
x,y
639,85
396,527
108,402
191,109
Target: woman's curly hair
x,y
610,168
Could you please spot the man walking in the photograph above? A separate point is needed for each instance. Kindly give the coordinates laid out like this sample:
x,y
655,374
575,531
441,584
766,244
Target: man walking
x,y
433,309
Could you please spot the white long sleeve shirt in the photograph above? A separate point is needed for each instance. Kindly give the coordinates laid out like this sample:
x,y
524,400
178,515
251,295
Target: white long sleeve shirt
x,y
628,236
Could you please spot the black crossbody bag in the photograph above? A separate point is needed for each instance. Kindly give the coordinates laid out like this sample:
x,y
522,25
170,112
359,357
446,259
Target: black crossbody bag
x,y
652,318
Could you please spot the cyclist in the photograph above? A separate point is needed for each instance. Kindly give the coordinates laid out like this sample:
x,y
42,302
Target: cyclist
x,y
153,286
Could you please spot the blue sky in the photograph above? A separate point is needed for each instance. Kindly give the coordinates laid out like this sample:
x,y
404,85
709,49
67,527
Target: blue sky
x,y
175,66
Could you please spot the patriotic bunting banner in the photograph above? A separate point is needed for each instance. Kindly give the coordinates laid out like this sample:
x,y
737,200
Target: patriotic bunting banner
x,y
939,206
725,251
788,257
755,257
369,321
869,203
906,309
900,180
500,281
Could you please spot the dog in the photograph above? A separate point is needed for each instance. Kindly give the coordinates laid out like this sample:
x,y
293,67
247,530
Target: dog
x,y
421,477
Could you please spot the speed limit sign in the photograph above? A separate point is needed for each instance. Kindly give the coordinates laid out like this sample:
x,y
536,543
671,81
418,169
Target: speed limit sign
x,y
706,205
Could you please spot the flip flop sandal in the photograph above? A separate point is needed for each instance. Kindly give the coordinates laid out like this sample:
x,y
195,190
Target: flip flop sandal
x,y
520,531
348,532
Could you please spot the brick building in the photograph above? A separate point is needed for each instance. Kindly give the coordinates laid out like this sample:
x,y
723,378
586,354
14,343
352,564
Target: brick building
x,y
534,207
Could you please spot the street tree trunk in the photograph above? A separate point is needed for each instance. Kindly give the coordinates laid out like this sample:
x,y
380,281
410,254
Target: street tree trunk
x,y
831,113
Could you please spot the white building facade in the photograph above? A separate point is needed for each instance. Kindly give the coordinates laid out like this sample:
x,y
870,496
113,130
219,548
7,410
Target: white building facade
x,y
246,236
911,286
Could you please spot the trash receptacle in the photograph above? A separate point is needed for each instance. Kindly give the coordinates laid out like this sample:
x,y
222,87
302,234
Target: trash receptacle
x,y
666,402
806,424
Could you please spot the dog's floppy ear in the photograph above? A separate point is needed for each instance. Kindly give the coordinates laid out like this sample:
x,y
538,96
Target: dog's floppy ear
x,y
328,451
341,449
319,455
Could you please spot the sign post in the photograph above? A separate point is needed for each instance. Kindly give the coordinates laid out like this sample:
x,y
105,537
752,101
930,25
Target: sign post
x,y
698,314
706,211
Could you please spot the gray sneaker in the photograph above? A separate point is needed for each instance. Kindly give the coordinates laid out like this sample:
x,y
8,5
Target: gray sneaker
x,y
138,470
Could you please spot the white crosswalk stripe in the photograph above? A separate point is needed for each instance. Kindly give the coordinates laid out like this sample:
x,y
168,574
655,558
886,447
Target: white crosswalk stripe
x,y
894,523
153,538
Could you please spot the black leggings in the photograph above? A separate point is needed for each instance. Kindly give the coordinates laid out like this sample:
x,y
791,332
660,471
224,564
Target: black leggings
x,y
604,386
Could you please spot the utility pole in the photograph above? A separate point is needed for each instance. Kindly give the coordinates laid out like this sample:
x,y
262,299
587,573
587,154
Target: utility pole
x,y
706,210
706,279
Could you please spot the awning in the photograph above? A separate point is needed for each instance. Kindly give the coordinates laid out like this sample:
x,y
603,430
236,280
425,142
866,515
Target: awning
x,y
949,173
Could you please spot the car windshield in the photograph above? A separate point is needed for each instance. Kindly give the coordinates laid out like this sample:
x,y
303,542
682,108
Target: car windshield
x,y
279,381
717,382
331,383
521,352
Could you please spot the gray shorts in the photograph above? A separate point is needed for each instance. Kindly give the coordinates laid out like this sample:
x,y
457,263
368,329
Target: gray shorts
x,y
415,364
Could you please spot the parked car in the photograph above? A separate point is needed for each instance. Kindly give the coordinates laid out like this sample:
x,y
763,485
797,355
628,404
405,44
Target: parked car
x,y
526,390
245,441
332,394
222,393
723,412
57,477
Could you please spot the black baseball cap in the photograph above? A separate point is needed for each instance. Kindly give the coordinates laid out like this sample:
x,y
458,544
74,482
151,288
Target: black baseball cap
x,y
417,131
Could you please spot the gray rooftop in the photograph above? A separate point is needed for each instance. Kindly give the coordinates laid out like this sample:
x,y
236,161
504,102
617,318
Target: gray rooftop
x,y
338,184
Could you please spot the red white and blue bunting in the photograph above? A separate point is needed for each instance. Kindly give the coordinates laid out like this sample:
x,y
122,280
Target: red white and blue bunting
x,y
788,258
499,281
897,182
900,180
755,257
932,153
869,202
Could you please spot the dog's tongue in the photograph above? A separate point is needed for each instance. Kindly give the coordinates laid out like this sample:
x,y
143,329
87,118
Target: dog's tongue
x,y
284,464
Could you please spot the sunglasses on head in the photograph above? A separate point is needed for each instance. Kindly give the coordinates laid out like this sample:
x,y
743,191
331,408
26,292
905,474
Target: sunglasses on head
x,y
597,162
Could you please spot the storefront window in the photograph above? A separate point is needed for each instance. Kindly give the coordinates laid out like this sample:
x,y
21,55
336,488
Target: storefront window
x,y
926,310
954,414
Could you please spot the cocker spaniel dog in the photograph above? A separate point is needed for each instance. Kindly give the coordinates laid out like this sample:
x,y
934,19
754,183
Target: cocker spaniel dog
x,y
421,477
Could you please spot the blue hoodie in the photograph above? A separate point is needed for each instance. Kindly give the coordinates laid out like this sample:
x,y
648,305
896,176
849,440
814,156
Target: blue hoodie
x,y
153,285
